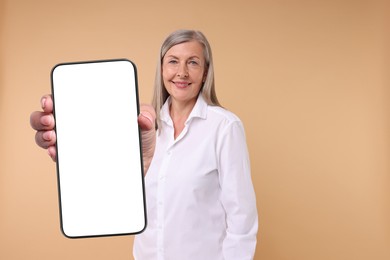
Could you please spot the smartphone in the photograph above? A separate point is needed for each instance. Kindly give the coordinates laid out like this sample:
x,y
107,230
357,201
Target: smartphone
x,y
99,156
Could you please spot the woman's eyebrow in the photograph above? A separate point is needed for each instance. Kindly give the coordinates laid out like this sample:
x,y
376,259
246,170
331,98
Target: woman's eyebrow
x,y
175,57
194,56
171,56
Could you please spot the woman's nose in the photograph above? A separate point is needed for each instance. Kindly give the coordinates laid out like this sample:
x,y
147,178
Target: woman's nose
x,y
182,71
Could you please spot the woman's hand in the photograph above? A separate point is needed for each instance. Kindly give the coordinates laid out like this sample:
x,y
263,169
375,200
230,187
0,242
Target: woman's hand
x,y
147,123
43,122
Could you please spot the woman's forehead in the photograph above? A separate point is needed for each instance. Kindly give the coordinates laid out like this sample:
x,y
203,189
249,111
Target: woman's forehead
x,y
189,49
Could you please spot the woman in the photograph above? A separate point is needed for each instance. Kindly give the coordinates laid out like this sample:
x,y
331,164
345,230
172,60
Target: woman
x,y
200,198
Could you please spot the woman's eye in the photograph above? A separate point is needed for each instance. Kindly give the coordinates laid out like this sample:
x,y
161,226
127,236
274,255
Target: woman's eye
x,y
172,61
192,62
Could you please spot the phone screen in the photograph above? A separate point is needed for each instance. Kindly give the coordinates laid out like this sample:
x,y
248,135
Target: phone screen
x,y
99,157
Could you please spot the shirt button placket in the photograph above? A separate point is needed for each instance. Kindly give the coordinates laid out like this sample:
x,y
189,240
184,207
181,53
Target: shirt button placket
x,y
160,204
160,218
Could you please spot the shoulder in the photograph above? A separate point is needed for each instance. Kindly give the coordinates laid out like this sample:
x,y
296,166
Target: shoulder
x,y
222,114
224,121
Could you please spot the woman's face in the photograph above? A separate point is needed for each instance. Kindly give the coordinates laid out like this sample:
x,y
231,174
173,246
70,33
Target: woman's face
x,y
183,71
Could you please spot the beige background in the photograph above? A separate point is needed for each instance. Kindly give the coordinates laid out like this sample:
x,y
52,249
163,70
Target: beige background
x,y
309,79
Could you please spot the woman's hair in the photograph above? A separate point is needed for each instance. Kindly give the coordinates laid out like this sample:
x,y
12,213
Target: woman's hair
x,y
208,89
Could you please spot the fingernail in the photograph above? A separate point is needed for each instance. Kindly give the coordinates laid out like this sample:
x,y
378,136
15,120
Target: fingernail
x,y
46,120
43,102
148,117
47,135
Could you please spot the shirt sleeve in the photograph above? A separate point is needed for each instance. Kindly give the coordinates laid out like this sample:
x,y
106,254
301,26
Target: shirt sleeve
x,y
238,196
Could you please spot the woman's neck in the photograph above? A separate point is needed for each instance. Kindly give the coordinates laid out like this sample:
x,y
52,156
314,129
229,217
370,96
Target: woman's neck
x,y
179,112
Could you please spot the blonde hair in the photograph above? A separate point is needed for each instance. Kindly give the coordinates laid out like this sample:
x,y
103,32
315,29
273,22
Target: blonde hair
x,y
160,94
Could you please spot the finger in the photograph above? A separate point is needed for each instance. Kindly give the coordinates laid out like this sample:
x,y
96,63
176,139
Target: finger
x,y
148,108
145,121
45,139
41,121
51,150
47,103
147,117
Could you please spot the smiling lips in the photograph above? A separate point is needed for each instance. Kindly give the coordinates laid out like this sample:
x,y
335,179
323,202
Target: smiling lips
x,y
181,84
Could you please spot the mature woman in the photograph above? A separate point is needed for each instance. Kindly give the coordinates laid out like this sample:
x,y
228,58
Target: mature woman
x,y
200,198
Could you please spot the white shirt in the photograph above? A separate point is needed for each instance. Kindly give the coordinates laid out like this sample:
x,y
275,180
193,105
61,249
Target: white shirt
x,y
200,199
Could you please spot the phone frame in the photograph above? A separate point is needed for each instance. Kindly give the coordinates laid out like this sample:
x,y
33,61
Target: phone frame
x,y
58,150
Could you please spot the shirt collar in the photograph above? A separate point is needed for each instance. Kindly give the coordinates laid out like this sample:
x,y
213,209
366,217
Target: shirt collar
x,y
199,110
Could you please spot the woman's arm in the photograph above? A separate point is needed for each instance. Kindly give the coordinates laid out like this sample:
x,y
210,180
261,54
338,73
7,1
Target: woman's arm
x,y
238,196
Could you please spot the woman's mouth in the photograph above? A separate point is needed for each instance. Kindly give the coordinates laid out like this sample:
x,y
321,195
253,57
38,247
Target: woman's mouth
x,y
181,84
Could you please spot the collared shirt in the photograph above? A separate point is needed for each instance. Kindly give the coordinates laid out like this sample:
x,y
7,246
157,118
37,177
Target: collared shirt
x,y
200,199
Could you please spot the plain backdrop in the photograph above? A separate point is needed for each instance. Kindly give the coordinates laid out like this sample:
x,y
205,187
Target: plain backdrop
x,y
309,79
